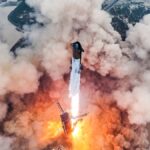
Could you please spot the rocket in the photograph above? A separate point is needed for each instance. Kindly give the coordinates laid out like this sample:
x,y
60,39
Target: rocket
x,y
77,51
74,87
76,68
65,119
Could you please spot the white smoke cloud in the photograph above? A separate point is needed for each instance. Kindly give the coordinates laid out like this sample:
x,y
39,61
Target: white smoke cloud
x,y
136,101
5,143
16,75
139,34
56,60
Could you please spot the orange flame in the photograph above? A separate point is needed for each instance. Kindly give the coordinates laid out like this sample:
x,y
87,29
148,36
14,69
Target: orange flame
x,y
80,139
51,131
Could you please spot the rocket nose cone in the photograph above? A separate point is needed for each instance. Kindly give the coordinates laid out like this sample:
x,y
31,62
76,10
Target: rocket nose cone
x,y
77,46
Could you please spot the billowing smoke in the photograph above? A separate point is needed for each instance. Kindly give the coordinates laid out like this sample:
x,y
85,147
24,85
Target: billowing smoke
x,y
136,99
19,76
5,143
115,81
